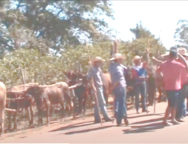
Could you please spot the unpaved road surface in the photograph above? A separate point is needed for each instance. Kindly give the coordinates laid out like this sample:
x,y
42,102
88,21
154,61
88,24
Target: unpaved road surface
x,y
143,128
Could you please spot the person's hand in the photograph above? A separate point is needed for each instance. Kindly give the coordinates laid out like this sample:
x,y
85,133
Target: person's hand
x,y
129,88
147,50
95,90
150,55
114,86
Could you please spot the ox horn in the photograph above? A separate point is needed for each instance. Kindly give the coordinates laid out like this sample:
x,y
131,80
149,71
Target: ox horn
x,y
74,86
10,110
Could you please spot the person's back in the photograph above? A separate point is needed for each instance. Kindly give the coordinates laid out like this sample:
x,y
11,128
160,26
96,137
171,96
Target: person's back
x,y
172,71
172,76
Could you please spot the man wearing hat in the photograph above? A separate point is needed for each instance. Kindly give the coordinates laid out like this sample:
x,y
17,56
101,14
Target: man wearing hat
x,y
172,73
139,73
95,75
181,56
184,53
117,72
181,109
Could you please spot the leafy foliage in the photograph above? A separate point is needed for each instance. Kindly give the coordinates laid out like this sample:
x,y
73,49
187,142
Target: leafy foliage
x,y
26,65
32,65
181,34
57,24
40,39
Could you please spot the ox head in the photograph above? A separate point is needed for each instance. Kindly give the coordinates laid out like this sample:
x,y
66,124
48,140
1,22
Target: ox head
x,y
37,92
34,91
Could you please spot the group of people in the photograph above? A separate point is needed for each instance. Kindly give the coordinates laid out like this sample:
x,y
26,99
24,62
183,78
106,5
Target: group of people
x,y
171,69
117,71
174,69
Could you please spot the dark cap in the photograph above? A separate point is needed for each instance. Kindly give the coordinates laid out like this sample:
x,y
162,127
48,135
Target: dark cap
x,y
173,52
173,49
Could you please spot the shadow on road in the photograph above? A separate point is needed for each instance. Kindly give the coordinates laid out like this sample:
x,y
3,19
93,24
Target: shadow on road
x,y
144,128
88,130
71,126
145,125
149,121
143,115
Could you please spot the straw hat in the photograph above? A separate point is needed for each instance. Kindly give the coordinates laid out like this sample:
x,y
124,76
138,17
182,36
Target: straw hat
x,y
98,59
117,56
137,57
183,51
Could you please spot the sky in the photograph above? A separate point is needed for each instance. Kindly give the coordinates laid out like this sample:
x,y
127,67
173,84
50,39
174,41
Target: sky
x,y
159,17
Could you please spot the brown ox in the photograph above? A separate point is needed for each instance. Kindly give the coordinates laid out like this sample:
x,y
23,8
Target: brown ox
x,y
22,87
107,85
81,93
17,101
47,95
2,106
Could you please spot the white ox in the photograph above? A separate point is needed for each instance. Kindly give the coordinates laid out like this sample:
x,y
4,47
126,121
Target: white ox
x,y
2,106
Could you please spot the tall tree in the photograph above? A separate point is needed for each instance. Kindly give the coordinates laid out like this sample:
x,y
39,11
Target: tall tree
x,y
58,23
181,34
144,40
140,32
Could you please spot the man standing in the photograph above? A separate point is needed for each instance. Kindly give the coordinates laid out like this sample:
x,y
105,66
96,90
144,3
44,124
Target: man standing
x,y
95,76
117,72
181,110
140,86
172,73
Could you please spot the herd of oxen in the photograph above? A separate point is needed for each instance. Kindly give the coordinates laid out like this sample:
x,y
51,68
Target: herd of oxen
x,y
71,96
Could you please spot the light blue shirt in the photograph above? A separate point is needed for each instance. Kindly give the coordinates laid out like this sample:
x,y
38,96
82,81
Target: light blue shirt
x,y
96,74
118,72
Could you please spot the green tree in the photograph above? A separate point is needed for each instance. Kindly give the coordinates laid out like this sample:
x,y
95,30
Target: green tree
x,y
140,32
58,24
143,40
181,34
48,69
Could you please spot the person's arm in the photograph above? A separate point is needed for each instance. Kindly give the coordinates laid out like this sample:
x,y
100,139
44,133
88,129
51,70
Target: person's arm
x,y
91,79
157,61
114,84
90,73
159,73
93,85
184,61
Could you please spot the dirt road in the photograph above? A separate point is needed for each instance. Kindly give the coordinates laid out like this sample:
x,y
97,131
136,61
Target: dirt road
x,y
143,128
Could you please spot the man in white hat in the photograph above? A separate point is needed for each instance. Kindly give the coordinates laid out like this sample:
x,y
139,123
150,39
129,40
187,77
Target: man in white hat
x,y
118,71
139,73
95,75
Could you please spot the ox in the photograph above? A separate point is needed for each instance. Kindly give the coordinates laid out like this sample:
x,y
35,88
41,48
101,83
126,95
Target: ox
x,y
2,105
17,100
80,93
47,95
107,85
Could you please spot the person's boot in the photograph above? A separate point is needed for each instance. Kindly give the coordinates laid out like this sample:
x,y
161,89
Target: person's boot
x,y
126,121
174,122
166,123
179,120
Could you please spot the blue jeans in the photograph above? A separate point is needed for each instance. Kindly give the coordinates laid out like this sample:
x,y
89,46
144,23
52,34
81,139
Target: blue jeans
x,y
181,110
120,104
102,106
141,89
185,92
173,97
